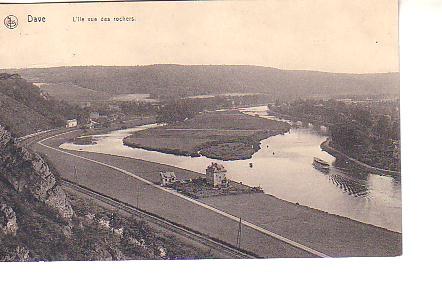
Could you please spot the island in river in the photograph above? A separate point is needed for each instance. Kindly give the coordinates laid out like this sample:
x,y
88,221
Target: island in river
x,y
224,135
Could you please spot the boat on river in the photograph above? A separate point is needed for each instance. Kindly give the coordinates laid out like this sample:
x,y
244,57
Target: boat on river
x,y
321,164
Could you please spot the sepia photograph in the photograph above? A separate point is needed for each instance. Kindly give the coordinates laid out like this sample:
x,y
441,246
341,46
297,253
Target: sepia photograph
x,y
200,130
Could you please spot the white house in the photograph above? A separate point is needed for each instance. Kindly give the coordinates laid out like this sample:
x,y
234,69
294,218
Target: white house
x,y
216,175
71,123
167,178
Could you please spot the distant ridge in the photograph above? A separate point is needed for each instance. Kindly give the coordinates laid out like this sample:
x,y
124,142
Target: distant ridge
x,y
172,81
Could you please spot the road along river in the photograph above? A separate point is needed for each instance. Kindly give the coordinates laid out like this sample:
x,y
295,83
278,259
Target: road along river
x,y
283,168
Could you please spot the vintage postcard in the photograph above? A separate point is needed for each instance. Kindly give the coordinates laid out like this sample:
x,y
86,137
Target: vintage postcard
x,y
199,130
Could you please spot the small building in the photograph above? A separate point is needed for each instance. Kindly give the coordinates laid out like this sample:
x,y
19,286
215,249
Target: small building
x,y
71,123
167,178
216,175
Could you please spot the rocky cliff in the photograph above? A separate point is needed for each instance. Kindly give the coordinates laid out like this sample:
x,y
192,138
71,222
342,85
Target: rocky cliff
x,y
37,220
28,173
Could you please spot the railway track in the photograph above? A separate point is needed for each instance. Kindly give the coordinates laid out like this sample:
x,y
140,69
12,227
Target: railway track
x,y
29,140
176,228
173,227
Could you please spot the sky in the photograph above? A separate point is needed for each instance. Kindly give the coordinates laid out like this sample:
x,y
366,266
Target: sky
x,y
351,36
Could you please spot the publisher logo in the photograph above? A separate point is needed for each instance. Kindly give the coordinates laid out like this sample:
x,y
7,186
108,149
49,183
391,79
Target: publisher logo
x,y
11,22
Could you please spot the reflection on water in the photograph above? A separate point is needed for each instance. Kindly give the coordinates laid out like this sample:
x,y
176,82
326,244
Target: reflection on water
x,y
283,167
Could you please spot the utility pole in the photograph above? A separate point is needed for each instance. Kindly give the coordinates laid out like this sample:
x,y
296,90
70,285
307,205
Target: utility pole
x,y
238,237
76,174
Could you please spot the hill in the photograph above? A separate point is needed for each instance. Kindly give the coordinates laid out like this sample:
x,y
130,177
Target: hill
x,y
26,109
172,81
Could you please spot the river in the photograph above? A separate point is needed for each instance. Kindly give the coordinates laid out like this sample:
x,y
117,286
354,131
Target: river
x,y
283,168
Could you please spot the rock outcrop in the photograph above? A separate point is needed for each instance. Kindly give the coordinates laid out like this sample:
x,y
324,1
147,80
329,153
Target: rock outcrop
x,y
8,220
28,173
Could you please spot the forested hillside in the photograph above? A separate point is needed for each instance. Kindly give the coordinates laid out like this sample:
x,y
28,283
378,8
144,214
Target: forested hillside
x,y
25,109
172,81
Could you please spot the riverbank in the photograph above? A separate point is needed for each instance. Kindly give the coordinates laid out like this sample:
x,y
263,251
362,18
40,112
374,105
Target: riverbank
x,y
223,135
283,168
131,123
330,234
368,131
279,115
86,136
334,152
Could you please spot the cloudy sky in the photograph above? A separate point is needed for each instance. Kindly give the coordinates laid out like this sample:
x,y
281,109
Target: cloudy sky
x,y
354,36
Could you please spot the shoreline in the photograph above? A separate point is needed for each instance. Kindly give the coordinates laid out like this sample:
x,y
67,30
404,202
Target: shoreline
x,y
340,236
187,172
219,141
332,151
176,152
127,141
286,202
132,123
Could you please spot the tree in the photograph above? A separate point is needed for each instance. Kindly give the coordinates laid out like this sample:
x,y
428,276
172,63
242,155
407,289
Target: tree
x,y
178,110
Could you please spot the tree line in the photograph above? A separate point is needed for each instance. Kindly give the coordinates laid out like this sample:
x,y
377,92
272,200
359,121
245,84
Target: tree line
x,y
367,130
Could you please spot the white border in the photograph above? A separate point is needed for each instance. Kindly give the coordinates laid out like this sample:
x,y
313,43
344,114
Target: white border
x,y
414,272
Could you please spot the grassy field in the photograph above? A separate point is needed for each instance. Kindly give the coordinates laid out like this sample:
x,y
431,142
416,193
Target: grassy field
x,y
226,135
73,93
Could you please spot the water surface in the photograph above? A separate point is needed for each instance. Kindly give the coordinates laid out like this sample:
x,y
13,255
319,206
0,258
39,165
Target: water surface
x,y
283,167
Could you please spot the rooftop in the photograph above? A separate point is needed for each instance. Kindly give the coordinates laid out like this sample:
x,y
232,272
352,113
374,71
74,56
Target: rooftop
x,y
215,167
168,174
